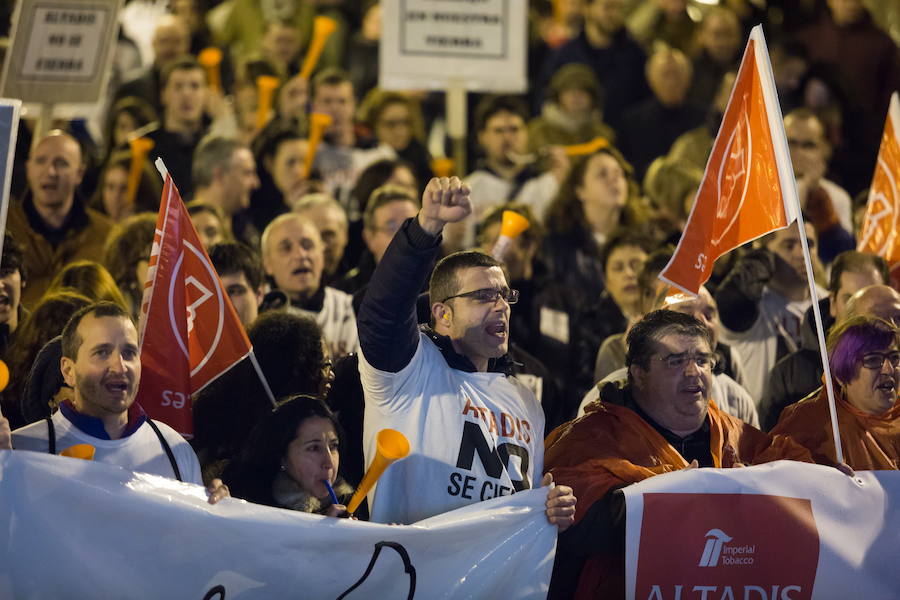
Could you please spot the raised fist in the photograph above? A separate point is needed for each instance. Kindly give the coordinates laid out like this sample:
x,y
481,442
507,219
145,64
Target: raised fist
x,y
445,200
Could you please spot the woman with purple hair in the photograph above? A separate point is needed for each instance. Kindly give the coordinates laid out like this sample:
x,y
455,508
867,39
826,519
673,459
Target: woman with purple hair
x,y
864,354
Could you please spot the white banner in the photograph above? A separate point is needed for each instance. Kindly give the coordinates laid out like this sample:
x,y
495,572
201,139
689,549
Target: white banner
x,y
779,531
433,44
78,529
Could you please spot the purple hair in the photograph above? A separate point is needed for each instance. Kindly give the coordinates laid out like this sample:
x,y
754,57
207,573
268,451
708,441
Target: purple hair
x,y
852,339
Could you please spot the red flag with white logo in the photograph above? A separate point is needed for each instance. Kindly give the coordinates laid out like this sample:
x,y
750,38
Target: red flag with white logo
x,y
748,188
189,331
880,233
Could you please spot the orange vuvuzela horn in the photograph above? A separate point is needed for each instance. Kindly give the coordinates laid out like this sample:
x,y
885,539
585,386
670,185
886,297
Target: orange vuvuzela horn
x,y
82,451
512,226
140,148
391,446
265,96
211,59
323,27
318,124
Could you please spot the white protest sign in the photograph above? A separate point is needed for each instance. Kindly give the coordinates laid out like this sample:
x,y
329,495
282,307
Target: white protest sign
x,y
780,531
79,529
60,50
477,45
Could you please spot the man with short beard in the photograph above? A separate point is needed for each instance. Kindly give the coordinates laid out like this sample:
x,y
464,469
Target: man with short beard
x,y
102,365
52,223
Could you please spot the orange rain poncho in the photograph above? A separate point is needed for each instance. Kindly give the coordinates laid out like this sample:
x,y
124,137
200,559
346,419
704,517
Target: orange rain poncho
x,y
869,442
611,446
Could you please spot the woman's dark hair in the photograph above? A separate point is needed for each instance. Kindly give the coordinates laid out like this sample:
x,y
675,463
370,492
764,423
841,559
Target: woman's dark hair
x,y
251,474
290,353
148,191
139,109
565,215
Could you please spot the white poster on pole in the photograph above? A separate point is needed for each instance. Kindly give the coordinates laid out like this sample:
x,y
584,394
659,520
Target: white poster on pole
x,y
435,44
60,50
9,130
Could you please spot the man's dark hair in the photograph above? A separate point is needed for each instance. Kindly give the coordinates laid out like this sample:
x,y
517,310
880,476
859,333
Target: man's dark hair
x,y
213,153
71,341
491,105
643,337
267,144
182,63
328,76
13,256
385,195
444,282
229,258
653,266
852,261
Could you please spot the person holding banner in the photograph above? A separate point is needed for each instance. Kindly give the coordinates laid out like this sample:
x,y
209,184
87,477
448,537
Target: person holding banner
x,y
663,419
475,432
864,355
102,366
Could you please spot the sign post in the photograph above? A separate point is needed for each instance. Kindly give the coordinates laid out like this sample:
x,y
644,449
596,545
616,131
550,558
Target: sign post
x,y
454,47
60,52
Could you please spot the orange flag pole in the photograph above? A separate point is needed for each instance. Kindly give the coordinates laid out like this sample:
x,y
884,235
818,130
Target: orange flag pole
x,y
323,27
211,59
265,88
140,148
391,446
318,124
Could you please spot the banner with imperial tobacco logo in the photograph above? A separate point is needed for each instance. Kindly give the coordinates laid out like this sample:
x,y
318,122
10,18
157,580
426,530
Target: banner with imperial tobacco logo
x,y
780,531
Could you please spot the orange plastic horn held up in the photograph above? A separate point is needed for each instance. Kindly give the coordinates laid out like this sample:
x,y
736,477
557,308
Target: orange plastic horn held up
x,y
265,94
323,27
598,143
82,451
391,446
511,227
318,124
211,58
140,148
4,376
442,167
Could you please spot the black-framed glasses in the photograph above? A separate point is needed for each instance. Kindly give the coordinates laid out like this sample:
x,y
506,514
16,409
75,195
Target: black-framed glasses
x,y
703,360
875,360
489,295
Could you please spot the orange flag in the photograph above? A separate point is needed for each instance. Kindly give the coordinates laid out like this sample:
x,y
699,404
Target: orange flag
x,y
879,231
748,188
189,331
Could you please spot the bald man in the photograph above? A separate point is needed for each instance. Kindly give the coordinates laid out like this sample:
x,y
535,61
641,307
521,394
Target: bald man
x,y
52,223
650,128
880,301
171,39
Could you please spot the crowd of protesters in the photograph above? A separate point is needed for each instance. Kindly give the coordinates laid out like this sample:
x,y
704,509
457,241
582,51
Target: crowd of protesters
x,y
331,265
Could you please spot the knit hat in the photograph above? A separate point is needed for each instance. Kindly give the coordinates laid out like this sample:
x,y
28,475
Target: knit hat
x,y
576,76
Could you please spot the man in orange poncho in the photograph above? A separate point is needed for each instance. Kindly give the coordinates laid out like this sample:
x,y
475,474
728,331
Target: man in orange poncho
x,y
662,420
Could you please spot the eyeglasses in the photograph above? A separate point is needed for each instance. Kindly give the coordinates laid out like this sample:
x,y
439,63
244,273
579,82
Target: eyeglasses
x,y
703,360
875,360
489,295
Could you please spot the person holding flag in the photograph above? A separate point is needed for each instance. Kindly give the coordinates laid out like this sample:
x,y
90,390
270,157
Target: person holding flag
x,y
101,364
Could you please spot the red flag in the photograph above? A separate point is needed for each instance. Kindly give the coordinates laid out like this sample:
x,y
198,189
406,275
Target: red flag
x,y
189,331
879,231
748,188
